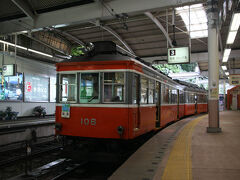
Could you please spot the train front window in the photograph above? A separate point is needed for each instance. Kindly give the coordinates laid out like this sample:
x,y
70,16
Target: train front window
x,y
114,87
68,87
89,88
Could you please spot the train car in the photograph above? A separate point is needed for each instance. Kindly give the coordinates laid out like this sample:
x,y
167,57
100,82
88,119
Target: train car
x,y
202,105
108,95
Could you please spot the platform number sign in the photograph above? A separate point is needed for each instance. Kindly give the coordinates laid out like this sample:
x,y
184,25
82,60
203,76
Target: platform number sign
x,y
178,55
172,52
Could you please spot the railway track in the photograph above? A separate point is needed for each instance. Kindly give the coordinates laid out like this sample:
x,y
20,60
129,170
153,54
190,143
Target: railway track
x,y
12,156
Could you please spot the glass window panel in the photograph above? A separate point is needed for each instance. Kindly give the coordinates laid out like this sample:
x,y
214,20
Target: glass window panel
x,y
89,88
134,90
144,86
114,87
11,87
68,87
151,92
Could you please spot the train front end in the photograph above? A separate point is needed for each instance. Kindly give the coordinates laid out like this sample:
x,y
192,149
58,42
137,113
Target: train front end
x,y
91,100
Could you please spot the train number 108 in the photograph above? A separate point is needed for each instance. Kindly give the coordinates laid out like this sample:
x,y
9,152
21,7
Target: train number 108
x,y
87,122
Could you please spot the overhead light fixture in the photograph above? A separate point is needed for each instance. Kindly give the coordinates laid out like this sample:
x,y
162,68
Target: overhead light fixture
x,y
226,55
198,20
24,48
11,44
227,73
235,23
224,68
41,53
231,37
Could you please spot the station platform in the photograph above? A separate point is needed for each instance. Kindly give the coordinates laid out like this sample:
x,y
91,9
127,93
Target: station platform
x,y
23,122
17,131
185,151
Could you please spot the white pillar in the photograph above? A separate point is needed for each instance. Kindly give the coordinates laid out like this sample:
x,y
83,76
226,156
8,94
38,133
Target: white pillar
x,y
213,68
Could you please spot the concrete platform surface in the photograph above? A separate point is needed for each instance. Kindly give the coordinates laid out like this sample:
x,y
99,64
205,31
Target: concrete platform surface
x,y
185,151
25,122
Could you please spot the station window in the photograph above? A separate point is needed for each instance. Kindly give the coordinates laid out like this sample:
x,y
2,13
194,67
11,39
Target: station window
x,y
144,87
68,87
151,92
114,86
89,88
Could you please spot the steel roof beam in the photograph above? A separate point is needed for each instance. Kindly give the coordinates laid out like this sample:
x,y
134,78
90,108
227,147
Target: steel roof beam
x,y
78,41
115,34
25,8
155,20
83,13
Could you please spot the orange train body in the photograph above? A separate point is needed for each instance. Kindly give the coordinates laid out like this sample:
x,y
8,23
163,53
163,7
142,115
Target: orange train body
x,y
102,120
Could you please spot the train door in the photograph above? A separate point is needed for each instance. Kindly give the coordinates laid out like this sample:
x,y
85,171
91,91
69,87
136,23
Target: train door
x,y
136,99
158,103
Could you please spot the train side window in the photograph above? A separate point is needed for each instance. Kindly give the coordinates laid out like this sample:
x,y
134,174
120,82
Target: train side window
x,y
174,96
68,88
89,88
114,86
144,87
165,94
134,89
151,92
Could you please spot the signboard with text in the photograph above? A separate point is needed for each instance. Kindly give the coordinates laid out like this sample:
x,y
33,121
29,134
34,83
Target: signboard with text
x,y
234,79
178,55
9,70
36,88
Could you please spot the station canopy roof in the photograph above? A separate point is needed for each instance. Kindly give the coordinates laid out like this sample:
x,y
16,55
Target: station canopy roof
x,y
144,28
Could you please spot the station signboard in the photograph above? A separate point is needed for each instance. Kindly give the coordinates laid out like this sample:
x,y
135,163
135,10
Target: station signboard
x,y
178,55
9,70
234,79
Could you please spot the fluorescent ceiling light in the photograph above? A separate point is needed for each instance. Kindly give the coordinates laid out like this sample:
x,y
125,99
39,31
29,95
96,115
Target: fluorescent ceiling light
x,y
225,59
38,52
235,22
198,20
227,52
231,37
24,48
11,44
227,73
226,55
224,68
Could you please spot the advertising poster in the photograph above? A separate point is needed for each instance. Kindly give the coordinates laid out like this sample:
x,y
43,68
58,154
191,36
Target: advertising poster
x,y
36,88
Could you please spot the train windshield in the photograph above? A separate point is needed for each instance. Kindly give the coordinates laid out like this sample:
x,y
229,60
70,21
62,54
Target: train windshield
x,y
68,87
89,88
114,87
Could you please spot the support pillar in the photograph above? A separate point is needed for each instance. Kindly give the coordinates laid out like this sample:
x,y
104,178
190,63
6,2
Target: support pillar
x,y
213,68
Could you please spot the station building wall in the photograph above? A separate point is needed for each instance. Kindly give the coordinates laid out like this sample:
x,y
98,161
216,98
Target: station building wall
x,y
31,68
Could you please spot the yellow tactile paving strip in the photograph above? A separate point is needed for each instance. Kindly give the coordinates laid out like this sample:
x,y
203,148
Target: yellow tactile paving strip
x,y
179,164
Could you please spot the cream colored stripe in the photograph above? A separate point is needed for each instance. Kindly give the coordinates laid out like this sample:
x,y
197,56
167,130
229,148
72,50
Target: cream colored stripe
x,y
179,164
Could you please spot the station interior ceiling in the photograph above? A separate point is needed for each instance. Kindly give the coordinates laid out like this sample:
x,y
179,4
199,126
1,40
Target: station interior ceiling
x,y
133,30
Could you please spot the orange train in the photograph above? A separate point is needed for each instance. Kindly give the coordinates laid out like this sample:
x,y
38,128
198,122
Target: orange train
x,y
108,95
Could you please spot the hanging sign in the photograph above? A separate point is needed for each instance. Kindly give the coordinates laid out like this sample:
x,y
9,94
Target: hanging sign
x,y
178,55
9,70
234,79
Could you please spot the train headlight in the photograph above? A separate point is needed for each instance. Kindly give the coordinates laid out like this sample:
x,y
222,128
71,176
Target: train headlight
x,y
58,126
120,130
